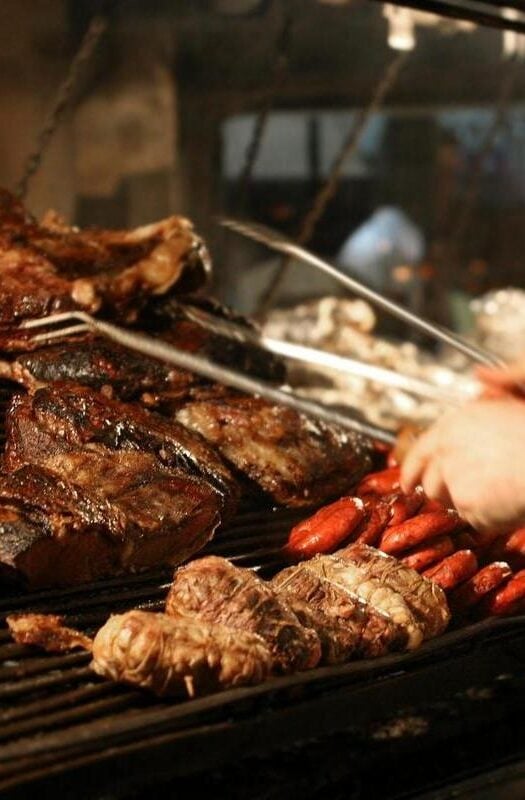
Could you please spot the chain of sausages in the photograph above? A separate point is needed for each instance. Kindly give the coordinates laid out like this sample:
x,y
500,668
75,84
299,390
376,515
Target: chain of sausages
x,y
482,574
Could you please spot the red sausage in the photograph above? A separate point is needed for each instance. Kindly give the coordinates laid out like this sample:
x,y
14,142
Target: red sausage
x,y
480,585
405,506
326,529
419,529
381,483
455,569
431,505
428,553
510,599
392,459
378,514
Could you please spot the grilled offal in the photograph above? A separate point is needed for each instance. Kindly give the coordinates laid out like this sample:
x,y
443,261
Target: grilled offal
x,y
343,614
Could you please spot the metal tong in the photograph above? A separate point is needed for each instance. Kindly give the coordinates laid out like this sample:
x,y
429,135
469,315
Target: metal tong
x,y
276,241
313,356
155,348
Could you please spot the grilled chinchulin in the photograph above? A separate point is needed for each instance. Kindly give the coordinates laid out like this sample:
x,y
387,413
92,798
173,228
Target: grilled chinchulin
x,y
178,656
213,590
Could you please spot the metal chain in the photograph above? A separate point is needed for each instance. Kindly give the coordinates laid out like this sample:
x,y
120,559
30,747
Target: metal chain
x,y
65,91
279,69
329,189
469,196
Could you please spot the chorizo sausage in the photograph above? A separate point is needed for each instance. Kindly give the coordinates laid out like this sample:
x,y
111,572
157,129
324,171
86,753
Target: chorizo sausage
x,y
378,514
509,599
419,529
326,529
452,571
405,506
479,586
428,553
383,482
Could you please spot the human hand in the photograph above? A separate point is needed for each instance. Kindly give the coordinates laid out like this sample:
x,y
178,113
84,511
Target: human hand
x,y
472,459
505,380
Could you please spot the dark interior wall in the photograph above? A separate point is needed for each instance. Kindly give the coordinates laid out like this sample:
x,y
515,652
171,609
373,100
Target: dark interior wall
x,y
143,137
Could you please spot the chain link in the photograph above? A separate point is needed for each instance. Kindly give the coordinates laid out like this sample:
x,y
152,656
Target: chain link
x,y
65,91
329,188
470,194
280,67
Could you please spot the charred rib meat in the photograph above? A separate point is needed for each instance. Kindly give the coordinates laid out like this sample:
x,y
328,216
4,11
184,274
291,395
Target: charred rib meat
x,y
68,417
50,267
213,590
98,513
297,461
177,656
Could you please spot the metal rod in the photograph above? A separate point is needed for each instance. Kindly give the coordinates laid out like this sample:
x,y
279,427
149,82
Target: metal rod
x,y
468,13
155,348
277,242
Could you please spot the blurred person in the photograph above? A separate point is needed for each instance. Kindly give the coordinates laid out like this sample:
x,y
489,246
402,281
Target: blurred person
x,y
472,458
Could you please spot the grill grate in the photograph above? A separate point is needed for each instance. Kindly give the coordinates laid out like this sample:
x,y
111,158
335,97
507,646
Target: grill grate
x,y
57,716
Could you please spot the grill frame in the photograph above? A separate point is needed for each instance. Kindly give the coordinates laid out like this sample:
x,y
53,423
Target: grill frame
x,y
58,721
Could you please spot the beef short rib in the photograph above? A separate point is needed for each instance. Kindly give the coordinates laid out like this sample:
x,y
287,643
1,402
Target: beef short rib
x,y
68,417
50,267
296,460
100,513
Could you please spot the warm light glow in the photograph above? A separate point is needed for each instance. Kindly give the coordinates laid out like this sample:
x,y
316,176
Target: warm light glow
x,y
400,28
403,273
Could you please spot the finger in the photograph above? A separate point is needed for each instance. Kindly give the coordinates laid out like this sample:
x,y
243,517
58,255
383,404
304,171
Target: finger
x,y
507,376
416,460
433,482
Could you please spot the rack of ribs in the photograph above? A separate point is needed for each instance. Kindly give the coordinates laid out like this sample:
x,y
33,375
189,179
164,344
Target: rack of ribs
x,y
48,267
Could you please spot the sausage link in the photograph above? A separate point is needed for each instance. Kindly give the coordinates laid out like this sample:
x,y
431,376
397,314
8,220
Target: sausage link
x,y
428,553
378,514
510,599
383,482
405,506
326,529
419,529
431,505
479,586
452,571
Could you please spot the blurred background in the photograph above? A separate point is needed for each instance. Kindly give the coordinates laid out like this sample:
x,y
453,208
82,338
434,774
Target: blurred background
x,y
393,146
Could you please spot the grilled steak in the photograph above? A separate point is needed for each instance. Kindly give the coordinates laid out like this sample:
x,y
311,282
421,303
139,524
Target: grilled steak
x,y
68,418
98,513
46,631
178,656
50,267
194,324
297,461
101,364
213,590
359,629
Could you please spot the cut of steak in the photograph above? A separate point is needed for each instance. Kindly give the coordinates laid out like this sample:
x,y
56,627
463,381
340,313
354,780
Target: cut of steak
x,y
178,656
51,267
98,513
68,417
296,460
101,364
360,628
213,590
194,324
425,599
